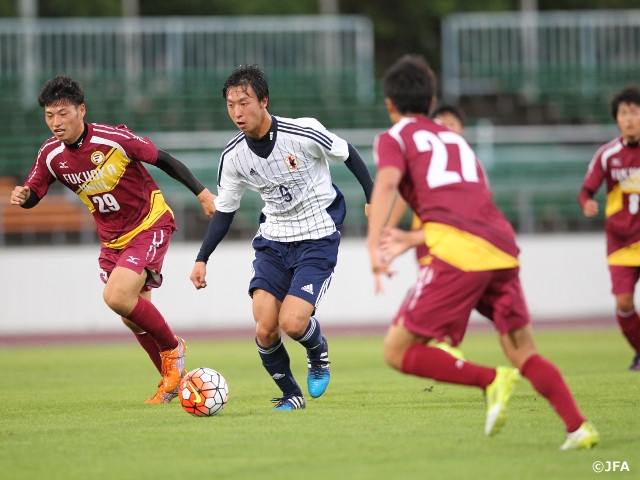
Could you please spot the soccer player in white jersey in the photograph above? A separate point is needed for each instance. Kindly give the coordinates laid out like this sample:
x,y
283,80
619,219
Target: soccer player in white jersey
x,y
296,247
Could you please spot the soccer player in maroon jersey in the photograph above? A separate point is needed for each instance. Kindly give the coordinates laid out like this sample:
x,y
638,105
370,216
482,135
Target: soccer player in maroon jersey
x,y
618,164
474,258
452,118
103,165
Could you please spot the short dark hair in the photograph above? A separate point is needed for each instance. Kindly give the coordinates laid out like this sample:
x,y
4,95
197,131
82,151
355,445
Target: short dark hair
x,y
410,84
248,76
447,108
630,94
61,89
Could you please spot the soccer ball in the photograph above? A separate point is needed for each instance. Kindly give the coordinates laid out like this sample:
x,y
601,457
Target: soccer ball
x,y
203,392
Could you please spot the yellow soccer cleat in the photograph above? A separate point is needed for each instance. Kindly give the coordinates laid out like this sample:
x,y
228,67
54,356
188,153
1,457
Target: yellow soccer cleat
x,y
453,351
585,438
172,372
497,396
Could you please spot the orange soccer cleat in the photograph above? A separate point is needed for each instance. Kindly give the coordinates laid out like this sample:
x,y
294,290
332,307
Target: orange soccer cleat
x,y
172,372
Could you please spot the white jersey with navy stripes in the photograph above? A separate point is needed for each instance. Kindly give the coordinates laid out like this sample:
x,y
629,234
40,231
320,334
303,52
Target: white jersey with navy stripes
x,y
292,177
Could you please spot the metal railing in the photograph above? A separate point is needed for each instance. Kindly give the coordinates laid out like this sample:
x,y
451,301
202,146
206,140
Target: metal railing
x,y
328,47
167,73
582,53
535,173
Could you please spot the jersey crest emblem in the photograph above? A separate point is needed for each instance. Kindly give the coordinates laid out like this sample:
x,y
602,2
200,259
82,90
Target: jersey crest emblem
x,y
97,157
291,161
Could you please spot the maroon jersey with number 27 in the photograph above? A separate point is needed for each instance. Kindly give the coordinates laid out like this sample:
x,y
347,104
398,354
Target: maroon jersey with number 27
x,y
445,186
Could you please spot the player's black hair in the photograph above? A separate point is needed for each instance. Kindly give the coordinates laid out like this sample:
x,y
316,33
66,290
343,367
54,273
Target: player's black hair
x,y
248,76
410,84
630,94
61,89
447,108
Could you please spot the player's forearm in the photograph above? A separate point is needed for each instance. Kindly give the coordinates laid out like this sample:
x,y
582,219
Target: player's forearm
x,y
381,202
385,189
356,165
397,212
179,171
31,201
584,195
218,228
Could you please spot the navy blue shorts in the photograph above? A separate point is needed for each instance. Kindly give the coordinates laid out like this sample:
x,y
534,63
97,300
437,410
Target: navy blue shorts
x,y
303,269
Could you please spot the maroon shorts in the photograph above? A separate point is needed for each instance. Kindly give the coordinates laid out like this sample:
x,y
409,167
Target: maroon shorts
x,y
145,251
441,301
623,279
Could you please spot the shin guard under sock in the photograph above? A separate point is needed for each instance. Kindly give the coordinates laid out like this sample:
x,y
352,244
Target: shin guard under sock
x,y
431,362
151,347
312,339
548,382
275,360
146,316
630,325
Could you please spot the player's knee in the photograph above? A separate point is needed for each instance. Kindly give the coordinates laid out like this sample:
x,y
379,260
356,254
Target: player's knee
x,y
393,355
293,324
121,304
265,335
625,304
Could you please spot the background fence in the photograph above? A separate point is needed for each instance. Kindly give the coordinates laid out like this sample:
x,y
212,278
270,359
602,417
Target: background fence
x,y
535,174
164,74
162,77
573,60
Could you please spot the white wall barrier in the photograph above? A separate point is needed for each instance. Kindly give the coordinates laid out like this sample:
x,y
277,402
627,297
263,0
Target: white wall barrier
x,y
57,289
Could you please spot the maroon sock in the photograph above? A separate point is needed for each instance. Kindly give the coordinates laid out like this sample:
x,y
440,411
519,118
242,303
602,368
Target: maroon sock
x,y
548,382
151,347
432,362
630,324
146,316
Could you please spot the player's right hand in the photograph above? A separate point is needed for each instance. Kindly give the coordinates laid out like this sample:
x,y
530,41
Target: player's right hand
x,y
590,208
207,200
198,275
380,265
20,194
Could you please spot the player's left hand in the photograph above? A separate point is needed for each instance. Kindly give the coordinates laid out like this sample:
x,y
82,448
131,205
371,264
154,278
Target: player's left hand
x,y
198,275
207,200
395,241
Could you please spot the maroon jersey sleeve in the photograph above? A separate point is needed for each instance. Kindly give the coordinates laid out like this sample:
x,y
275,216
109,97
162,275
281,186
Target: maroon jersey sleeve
x,y
136,147
388,152
40,177
593,178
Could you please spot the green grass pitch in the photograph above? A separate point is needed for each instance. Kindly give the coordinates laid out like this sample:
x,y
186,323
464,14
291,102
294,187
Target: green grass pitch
x,y
77,412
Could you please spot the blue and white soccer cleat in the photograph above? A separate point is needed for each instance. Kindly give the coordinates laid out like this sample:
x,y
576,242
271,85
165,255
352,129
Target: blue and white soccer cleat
x,y
289,402
319,373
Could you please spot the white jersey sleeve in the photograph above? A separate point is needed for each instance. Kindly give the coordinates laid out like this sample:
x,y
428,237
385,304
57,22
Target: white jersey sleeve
x,y
231,186
334,148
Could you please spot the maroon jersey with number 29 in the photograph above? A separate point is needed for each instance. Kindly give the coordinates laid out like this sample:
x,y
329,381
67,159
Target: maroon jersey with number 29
x,y
106,173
